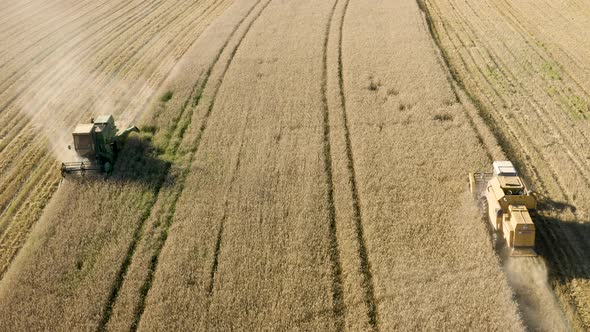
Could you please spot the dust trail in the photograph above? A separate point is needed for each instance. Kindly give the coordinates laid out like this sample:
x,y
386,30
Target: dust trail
x,y
538,305
527,277
53,110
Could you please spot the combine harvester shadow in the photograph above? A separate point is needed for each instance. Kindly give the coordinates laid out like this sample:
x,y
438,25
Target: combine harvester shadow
x,y
138,162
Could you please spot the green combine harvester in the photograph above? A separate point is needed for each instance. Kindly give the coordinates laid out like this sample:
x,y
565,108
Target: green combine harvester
x,y
97,143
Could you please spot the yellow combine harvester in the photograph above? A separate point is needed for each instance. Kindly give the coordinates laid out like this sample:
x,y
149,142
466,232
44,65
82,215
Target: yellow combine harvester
x,y
508,202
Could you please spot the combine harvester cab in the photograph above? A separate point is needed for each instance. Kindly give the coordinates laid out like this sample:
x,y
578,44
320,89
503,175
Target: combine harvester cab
x,y
508,203
97,145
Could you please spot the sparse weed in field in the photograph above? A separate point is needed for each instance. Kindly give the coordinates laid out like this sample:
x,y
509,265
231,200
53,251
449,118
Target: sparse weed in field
x,y
552,70
392,92
448,102
149,129
373,85
443,117
579,106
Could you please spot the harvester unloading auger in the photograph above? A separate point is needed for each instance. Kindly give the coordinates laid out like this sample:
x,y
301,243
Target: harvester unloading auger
x,y
508,203
97,143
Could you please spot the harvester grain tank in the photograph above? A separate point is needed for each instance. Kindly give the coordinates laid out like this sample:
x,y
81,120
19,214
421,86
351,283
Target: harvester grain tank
x,y
97,144
508,204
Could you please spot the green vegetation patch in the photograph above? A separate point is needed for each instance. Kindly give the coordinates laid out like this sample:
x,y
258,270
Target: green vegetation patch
x,y
579,106
166,96
551,69
493,72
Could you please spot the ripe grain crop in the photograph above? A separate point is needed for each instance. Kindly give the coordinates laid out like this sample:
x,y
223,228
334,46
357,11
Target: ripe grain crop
x,y
529,80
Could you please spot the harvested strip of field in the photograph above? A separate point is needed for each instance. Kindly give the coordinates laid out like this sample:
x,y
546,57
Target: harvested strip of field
x,y
431,261
531,83
64,63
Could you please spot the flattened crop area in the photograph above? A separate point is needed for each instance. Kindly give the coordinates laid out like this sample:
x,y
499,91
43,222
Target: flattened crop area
x,y
525,64
61,63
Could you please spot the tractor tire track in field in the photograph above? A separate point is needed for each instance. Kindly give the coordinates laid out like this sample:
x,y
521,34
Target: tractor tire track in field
x,y
195,96
218,240
339,309
365,266
39,149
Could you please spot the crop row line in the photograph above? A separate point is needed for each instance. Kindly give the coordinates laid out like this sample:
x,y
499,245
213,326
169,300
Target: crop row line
x,y
115,54
43,27
580,243
510,14
196,144
533,102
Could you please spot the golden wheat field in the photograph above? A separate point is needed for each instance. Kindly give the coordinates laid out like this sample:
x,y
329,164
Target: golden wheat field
x,y
300,165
